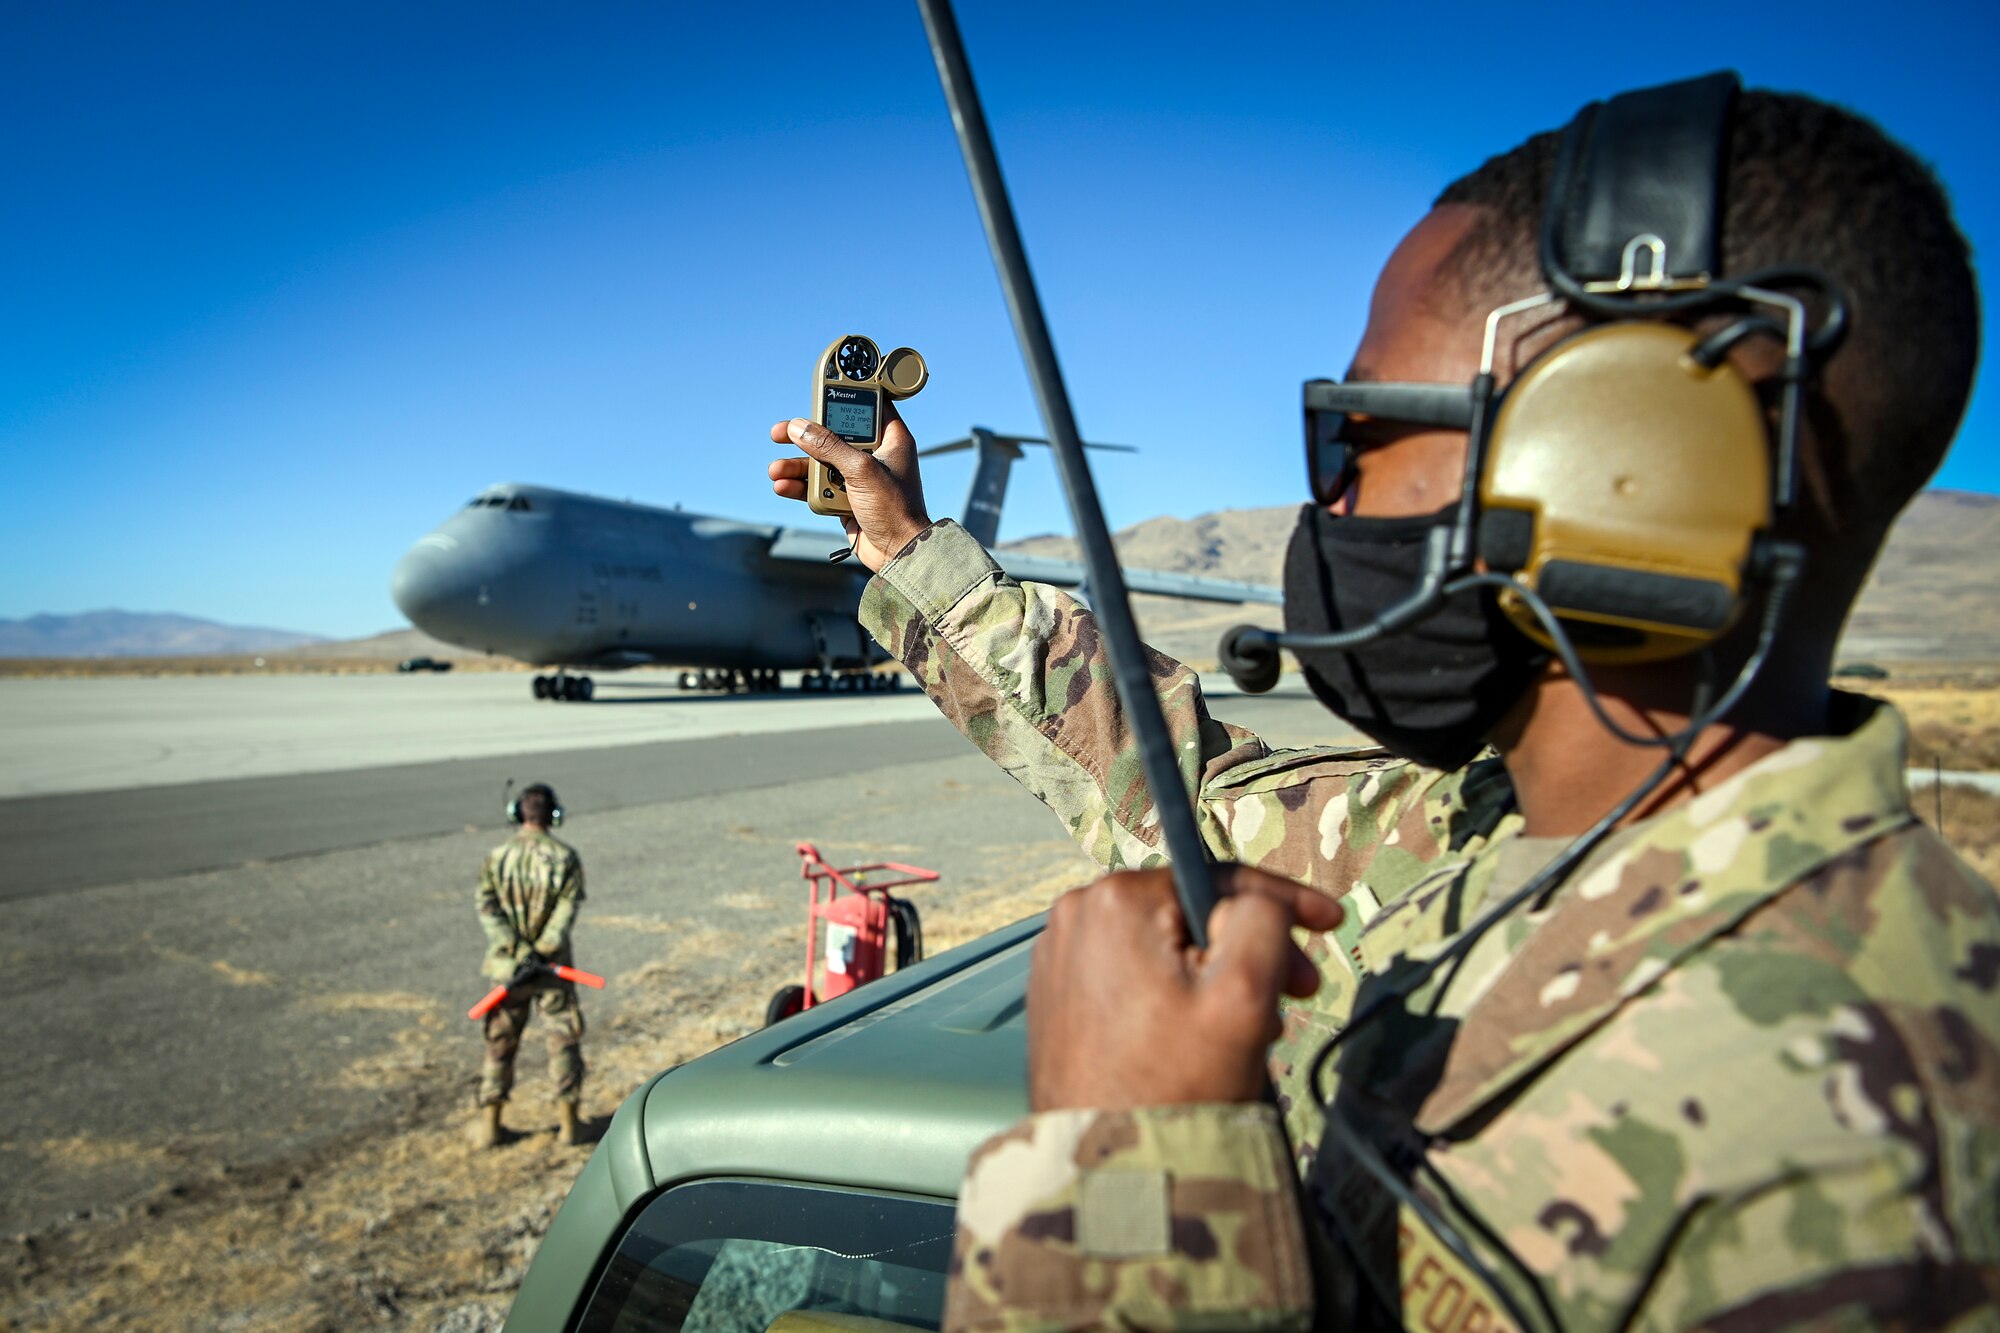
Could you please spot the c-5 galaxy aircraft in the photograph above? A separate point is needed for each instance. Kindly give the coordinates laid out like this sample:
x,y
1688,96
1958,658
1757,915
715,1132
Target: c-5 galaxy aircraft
x,y
577,582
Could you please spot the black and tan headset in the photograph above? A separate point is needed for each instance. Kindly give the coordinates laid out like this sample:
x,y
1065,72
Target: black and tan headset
x,y
514,802
1629,476
1624,486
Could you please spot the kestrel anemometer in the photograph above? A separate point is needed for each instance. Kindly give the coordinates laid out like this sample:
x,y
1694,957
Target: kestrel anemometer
x,y
852,385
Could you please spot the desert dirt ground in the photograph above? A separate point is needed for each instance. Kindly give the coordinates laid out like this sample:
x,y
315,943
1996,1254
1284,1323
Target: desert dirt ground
x,y
398,1222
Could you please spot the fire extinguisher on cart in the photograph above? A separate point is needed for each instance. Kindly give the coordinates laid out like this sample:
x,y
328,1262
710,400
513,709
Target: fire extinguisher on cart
x,y
861,917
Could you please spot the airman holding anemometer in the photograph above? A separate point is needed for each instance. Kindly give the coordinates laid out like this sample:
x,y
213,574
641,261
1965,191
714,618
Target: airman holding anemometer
x,y
1736,1064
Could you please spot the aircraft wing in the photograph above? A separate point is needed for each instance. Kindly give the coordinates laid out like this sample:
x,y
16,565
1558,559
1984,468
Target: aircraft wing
x,y
807,544
1190,587
812,546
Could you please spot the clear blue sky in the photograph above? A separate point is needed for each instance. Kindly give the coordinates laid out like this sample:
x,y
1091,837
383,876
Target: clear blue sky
x,y
283,285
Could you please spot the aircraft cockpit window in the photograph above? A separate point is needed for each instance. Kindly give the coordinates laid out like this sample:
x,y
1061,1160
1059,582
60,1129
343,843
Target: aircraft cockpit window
x,y
519,503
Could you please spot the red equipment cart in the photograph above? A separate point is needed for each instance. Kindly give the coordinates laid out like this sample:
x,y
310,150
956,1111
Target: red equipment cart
x,y
860,915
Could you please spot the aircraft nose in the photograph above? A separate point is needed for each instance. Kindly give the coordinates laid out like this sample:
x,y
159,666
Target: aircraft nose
x,y
434,587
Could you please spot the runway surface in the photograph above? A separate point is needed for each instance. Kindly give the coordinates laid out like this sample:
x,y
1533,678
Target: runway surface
x,y
216,969
111,734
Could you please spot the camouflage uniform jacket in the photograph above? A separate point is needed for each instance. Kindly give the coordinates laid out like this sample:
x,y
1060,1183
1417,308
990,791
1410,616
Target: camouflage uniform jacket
x,y
529,889
1743,1071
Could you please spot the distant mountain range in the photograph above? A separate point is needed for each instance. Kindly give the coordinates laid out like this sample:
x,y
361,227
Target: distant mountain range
x,y
138,634
1934,595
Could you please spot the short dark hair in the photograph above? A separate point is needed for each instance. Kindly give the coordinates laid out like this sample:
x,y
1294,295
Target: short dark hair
x,y
1807,183
538,802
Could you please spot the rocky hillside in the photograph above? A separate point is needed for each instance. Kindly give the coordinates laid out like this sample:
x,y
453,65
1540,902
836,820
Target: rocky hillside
x,y
390,646
1934,596
1935,593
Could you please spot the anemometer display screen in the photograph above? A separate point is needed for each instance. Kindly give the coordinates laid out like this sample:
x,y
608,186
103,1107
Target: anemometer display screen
x,y
850,414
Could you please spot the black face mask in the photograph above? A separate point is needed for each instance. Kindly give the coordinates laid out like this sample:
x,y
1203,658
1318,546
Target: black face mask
x,y
1431,692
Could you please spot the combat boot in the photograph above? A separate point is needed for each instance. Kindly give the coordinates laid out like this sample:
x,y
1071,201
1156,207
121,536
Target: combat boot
x,y
487,1131
572,1126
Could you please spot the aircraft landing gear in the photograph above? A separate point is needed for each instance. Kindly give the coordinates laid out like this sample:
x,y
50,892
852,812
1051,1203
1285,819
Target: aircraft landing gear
x,y
565,688
731,680
849,682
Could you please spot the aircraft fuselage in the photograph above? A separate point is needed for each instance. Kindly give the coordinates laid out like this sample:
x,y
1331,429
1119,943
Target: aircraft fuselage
x,y
567,580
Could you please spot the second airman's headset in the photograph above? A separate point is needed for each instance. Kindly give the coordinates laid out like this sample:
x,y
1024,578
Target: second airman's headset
x,y
1621,492
514,802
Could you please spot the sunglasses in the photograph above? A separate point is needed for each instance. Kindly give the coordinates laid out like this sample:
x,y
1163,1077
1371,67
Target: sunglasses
x,y
1329,404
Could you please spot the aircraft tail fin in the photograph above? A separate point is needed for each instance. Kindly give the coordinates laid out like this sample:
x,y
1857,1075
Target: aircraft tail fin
x,y
996,454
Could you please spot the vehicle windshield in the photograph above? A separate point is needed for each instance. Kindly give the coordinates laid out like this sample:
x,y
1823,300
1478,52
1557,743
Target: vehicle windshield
x,y
735,1256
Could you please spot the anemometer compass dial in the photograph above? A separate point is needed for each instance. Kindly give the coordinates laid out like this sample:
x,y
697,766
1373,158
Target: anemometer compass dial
x,y
853,384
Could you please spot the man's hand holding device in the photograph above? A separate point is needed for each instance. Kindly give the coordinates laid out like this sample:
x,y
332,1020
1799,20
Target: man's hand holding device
x,y
861,463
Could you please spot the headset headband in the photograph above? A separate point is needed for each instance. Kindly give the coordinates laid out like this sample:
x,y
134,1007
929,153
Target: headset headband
x,y
514,801
1648,162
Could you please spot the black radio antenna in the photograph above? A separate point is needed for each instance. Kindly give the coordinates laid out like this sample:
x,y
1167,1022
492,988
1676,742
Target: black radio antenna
x,y
1192,882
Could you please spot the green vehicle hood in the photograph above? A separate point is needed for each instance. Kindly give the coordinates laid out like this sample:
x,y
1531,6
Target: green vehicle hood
x,y
888,1088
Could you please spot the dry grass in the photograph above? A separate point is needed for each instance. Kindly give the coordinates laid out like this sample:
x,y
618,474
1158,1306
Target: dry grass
x,y
371,1002
240,976
1953,722
84,1152
1971,825
643,924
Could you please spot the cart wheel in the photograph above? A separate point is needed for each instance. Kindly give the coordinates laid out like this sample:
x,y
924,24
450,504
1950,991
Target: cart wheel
x,y
788,1001
909,928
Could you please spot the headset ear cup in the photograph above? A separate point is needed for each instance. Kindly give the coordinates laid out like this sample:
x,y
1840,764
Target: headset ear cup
x,y
1640,479
514,810
556,817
